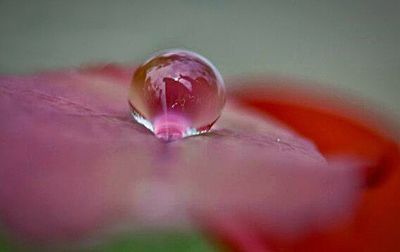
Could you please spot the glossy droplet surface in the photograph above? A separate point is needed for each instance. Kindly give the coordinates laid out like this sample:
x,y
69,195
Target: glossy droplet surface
x,y
177,93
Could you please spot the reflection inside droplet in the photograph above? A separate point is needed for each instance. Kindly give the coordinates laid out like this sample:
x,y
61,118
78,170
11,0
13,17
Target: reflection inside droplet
x,y
177,93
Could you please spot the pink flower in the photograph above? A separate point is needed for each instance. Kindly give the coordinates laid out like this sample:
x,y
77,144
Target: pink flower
x,y
285,169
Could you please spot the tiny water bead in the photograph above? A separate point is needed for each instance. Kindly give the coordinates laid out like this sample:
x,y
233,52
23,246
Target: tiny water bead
x,y
177,93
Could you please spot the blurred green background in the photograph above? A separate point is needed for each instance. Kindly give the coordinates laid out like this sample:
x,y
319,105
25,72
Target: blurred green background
x,y
353,45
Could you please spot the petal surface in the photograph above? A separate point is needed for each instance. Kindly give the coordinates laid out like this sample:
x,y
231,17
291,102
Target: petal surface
x,y
75,165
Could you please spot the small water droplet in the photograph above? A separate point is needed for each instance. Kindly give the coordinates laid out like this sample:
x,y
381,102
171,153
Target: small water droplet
x,y
177,93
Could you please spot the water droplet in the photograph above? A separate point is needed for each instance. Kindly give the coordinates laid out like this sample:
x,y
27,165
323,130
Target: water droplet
x,y
177,93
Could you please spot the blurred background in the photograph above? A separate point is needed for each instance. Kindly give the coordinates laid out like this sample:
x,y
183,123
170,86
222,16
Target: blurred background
x,y
352,45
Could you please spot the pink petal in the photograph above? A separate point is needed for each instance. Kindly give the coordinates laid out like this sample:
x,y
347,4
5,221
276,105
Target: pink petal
x,y
75,165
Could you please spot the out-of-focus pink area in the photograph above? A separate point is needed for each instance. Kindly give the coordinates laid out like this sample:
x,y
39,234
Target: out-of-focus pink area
x,y
74,165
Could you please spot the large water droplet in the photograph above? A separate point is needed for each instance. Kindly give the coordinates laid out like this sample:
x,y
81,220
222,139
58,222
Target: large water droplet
x,y
177,93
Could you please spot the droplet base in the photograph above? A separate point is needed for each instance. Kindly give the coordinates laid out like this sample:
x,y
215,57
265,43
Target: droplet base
x,y
168,127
